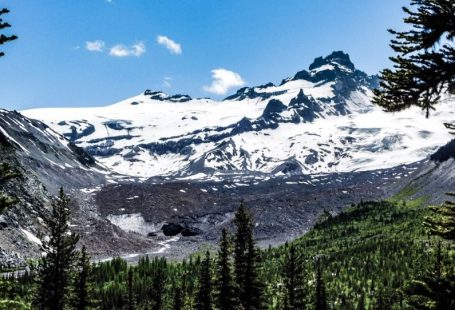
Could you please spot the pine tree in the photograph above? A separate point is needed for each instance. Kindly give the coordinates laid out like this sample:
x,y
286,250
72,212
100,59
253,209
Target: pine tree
x,y
204,296
294,280
250,290
226,298
320,302
244,233
158,283
130,290
178,297
3,25
82,283
56,267
6,174
425,65
435,289
361,303
380,302
442,221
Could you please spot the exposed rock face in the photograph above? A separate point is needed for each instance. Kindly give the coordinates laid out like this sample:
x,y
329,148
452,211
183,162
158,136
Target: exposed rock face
x,y
191,232
172,229
274,107
338,57
45,161
55,160
306,107
251,93
444,153
435,178
337,67
157,95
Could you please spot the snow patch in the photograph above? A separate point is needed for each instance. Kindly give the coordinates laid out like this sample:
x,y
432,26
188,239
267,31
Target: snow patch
x,y
31,237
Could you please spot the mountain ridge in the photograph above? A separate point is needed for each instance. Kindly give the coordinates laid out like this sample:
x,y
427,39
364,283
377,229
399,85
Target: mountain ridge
x,y
320,120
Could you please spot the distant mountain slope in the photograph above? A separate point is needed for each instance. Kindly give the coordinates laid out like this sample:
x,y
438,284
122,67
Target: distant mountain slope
x,y
55,160
433,179
45,161
320,120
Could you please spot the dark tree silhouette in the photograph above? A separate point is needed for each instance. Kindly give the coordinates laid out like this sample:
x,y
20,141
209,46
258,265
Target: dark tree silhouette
x,y
425,65
56,267
320,302
204,295
294,280
226,298
435,289
158,283
130,291
178,298
442,221
246,262
82,283
3,25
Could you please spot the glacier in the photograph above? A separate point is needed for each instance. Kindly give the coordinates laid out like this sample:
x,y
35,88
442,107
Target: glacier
x,y
321,120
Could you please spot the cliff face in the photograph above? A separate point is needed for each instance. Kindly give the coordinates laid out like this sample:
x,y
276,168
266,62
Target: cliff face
x,y
45,161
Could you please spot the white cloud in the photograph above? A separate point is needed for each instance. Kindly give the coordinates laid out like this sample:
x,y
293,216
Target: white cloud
x,y
121,50
167,81
223,80
171,45
95,46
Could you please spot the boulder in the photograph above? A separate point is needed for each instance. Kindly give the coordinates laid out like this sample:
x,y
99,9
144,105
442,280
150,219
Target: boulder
x,y
172,229
191,231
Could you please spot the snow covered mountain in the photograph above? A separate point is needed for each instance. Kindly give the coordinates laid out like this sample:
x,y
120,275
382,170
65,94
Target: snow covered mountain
x,y
319,121
39,149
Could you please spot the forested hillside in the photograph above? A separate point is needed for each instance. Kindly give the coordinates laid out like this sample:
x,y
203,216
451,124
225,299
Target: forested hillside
x,y
364,258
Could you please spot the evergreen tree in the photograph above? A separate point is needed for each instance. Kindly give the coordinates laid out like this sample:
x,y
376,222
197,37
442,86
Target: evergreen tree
x,y
425,65
435,289
226,298
56,267
442,221
250,290
82,284
380,302
294,280
3,25
158,283
204,296
6,174
361,303
130,290
320,302
178,297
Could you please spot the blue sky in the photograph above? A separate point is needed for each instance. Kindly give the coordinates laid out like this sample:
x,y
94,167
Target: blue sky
x,y
97,52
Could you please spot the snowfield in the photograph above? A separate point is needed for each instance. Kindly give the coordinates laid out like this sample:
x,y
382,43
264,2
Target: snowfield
x,y
320,121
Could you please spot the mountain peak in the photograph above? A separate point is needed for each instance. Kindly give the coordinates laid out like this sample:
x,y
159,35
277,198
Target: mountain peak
x,y
337,64
337,57
161,96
